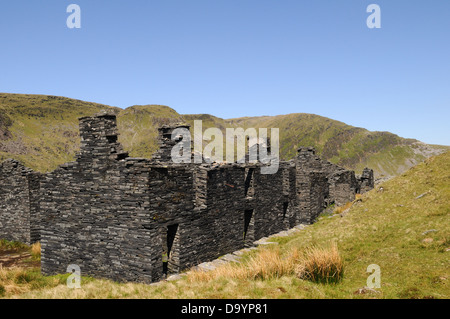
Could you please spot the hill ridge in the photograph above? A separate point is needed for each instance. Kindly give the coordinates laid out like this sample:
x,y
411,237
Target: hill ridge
x,y
42,132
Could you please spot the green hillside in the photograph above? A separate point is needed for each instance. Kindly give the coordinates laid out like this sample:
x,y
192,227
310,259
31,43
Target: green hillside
x,y
337,142
42,132
138,127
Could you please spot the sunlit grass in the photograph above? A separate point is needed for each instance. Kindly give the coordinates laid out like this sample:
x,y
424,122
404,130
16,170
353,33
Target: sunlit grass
x,y
36,250
12,246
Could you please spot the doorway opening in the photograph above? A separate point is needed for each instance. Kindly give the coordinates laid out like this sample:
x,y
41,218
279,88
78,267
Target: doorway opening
x,y
249,183
249,231
168,254
285,208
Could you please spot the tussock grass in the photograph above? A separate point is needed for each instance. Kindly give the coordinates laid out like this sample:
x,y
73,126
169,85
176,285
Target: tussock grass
x,y
9,281
36,250
348,205
343,208
17,281
266,264
318,264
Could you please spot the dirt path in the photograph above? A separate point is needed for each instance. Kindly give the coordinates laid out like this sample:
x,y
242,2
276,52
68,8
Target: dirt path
x,y
12,259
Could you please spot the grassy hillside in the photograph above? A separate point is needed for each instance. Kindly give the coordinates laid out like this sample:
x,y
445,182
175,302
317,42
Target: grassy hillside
x,y
339,143
402,226
42,131
138,127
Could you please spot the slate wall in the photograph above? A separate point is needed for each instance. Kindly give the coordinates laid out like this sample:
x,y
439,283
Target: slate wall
x,y
96,210
366,180
133,219
19,202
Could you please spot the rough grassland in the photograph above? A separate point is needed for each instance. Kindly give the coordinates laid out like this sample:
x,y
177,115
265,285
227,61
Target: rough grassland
x,y
402,227
42,132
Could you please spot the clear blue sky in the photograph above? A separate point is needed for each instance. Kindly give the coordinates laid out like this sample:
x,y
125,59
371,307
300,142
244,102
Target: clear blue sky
x,y
234,58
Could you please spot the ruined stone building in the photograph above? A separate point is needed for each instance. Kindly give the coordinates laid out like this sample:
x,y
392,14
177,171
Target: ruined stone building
x,y
116,216
19,202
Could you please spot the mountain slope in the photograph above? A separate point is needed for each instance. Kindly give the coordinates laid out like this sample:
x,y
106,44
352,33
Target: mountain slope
x,y
138,127
337,142
348,146
42,132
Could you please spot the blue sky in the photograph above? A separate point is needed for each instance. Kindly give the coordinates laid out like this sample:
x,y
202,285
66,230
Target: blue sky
x,y
234,58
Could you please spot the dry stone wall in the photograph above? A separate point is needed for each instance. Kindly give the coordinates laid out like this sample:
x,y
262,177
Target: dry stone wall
x,y
96,211
19,203
366,180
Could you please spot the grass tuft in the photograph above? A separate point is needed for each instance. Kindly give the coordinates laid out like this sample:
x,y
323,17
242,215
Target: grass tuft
x,y
318,264
323,265
36,250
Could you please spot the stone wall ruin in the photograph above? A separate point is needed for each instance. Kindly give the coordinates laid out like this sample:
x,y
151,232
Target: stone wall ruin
x,y
19,202
135,219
